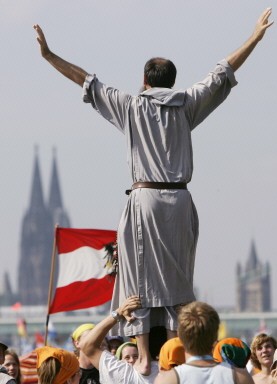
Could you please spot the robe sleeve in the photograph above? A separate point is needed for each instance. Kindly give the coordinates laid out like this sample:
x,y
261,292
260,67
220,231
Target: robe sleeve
x,y
109,102
203,97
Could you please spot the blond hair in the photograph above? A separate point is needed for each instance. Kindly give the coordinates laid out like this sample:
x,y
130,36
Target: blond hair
x,y
256,343
48,370
198,325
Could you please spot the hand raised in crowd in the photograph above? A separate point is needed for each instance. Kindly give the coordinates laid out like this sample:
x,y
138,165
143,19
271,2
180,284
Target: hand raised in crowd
x,y
263,23
45,51
129,305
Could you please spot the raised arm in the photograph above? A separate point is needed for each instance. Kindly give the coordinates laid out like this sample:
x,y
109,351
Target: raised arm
x,y
69,70
242,376
91,345
237,58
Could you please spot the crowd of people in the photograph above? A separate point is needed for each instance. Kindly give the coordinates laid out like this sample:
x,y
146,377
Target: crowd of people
x,y
195,356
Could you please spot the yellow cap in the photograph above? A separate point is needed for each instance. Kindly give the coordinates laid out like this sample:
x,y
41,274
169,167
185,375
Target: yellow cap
x,y
81,329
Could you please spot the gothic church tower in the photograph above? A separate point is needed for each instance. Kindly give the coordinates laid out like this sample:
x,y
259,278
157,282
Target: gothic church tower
x,y
37,238
253,284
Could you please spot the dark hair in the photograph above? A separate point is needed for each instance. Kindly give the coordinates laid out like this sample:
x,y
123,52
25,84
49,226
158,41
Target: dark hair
x,y
160,72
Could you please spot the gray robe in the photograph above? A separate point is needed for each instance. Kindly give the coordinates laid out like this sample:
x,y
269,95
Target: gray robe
x,y
158,230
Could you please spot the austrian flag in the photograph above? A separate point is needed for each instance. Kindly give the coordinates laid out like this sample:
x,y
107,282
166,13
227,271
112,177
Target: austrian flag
x,y
83,281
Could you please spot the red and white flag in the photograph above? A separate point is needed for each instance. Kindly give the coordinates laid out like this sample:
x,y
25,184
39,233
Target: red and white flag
x,y
83,281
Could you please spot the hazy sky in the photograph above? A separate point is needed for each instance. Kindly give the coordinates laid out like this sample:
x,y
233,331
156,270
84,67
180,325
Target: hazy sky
x,y
235,159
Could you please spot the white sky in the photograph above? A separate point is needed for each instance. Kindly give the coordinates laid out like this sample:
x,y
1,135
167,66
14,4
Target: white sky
x,y
234,184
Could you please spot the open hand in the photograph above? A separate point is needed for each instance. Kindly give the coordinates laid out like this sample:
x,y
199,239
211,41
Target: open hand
x,y
45,51
263,23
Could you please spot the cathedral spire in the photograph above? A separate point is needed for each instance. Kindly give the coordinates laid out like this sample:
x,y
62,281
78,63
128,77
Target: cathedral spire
x,y
55,204
55,199
252,261
36,201
37,239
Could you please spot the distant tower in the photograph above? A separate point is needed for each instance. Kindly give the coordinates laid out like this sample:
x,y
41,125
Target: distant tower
x,y
253,285
37,239
7,297
55,204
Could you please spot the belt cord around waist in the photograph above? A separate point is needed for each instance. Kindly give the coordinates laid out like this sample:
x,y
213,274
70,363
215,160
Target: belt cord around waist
x,y
156,185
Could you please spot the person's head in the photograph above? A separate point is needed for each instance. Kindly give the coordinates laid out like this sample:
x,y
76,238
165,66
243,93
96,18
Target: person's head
x,y
79,333
262,350
114,343
3,348
172,354
57,366
127,352
12,365
198,325
233,350
159,72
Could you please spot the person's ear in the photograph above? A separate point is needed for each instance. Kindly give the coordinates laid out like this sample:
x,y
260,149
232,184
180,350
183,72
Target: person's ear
x,y
77,343
145,81
214,344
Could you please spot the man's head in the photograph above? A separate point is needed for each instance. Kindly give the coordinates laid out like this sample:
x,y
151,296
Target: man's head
x,y
78,333
159,72
3,348
262,346
198,325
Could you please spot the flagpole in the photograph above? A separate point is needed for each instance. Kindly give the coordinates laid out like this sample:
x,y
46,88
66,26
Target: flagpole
x,y
50,289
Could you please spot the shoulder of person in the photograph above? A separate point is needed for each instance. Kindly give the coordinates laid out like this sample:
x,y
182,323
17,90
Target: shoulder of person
x,y
5,378
167,377
242,376
12,381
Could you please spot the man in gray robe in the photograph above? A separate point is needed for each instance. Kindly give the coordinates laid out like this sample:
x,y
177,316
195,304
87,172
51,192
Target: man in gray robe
x,y
158,230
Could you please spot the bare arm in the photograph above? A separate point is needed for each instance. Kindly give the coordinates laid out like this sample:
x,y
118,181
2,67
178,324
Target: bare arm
x,y
242,376
70,71
167,377
91,345
237,58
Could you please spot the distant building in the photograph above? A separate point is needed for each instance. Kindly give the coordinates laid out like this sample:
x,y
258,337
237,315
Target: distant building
x,y
253,285
7,296
37,236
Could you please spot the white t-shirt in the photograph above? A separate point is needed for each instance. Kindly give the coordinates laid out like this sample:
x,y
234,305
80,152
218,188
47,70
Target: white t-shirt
x,y
218,374
114,371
